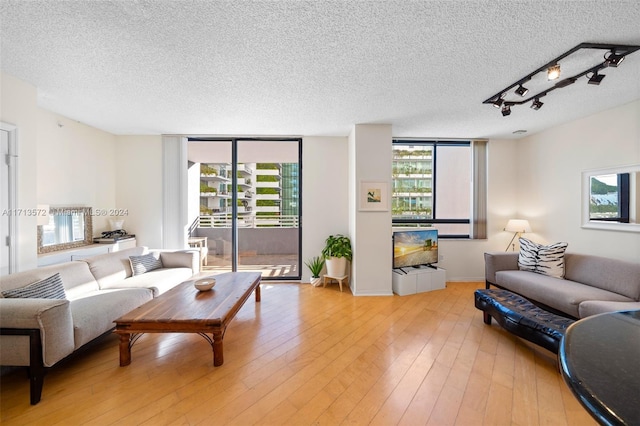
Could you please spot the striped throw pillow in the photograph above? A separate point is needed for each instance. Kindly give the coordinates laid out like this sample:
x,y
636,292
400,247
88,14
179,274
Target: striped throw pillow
x,y
546,260
49,288
145,263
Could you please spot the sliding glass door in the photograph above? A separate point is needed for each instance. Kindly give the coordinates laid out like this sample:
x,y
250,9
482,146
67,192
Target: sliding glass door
x,y
248,200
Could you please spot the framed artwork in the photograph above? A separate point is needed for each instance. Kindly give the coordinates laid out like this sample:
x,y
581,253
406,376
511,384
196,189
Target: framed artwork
x,y
374,196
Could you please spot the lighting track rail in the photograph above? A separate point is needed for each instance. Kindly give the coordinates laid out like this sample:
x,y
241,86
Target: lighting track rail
x,y
615,55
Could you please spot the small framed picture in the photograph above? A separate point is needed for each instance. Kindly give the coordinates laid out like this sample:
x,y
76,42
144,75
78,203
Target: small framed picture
x,y
374,196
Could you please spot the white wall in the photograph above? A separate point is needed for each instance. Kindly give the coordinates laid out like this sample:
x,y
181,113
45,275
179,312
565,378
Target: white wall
x,y
549,180
325,196
61,162
79,165
76,167
139,187
19,107
370,151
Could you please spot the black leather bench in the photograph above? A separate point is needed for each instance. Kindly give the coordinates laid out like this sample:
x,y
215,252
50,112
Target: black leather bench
x,y
522,318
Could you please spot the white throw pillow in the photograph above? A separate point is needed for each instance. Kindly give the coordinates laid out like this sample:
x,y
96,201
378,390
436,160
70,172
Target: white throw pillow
x,y
546,260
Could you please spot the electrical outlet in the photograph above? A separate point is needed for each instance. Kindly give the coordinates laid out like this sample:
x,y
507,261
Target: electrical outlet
x,y
441,257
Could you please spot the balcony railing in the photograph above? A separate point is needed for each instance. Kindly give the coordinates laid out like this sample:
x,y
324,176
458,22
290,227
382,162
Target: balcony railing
x,y
224,220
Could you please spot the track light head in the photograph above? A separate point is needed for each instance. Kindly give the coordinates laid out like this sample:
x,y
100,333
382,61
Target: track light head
x,y
498,102
521,90
611,59
536,104
506,110
596,78
553,72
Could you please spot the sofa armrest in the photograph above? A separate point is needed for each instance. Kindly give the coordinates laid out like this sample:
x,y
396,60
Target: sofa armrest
x,y
181,259
499,261
51,316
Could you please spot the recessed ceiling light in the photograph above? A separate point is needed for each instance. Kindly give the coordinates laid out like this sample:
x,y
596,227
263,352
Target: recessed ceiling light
x,y
519,132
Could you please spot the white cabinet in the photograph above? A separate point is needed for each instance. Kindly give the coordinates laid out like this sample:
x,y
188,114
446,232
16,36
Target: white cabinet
x,y
83,252
417,280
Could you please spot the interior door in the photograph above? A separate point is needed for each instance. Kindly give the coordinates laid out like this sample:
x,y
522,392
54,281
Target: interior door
x,y
4,205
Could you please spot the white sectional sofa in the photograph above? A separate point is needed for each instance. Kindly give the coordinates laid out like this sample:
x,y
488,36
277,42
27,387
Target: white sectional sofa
x,y
39,332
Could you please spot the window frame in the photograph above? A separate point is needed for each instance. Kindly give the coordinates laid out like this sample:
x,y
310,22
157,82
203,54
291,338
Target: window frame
x,y
624,196
435,219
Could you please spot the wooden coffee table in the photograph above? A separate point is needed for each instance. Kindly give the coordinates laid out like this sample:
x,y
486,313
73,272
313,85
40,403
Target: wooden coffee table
x,y
183,309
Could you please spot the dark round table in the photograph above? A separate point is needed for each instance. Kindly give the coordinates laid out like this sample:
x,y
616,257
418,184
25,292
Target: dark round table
x,y
600,362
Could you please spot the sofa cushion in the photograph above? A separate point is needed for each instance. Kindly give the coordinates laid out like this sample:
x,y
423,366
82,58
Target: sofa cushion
x,y
145,263
180,259
615,275
49,288
76,278
94,313
113,267
594,307
158,281
563,295
546,260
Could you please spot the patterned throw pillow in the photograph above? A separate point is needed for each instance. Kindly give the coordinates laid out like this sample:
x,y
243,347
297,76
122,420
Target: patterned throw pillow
x,y
145,263
546,260
49,288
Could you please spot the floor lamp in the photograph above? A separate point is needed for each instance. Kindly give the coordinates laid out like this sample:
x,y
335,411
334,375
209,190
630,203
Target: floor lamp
x,y
518,227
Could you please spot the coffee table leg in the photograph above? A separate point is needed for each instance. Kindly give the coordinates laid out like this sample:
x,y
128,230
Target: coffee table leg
x,y
218,358
125,349
258,293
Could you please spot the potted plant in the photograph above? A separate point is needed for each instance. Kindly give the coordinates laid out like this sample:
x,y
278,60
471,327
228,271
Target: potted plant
x,y
336,252
315,265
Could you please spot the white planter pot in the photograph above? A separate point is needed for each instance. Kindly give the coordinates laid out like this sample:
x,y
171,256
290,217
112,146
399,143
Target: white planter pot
x,y
336,266
316,281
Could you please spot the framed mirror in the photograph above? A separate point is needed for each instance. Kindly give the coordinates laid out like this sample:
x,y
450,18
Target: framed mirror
x,y
68,227
611,199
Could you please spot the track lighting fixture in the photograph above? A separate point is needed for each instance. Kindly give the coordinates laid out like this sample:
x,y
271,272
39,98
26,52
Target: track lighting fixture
x,y
521,90
596,78
553,72
536,104
517,94
612,59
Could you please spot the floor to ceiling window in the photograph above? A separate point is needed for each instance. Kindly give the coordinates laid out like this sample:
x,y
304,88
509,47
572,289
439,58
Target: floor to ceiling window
x,y
247,192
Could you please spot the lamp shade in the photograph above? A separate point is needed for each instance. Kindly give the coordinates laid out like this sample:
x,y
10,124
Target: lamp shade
x,y
518,225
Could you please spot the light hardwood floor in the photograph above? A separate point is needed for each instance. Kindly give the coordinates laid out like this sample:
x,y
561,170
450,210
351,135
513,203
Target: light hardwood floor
x,y
314,356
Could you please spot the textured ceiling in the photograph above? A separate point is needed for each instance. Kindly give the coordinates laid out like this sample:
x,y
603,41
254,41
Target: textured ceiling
x,y
310,67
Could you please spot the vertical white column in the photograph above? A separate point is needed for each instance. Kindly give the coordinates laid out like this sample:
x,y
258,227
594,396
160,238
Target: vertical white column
x,y
174,192
370,156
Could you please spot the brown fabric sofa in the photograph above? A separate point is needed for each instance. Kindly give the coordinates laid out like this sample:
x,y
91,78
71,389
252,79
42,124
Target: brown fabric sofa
x,y
38,333
591,285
